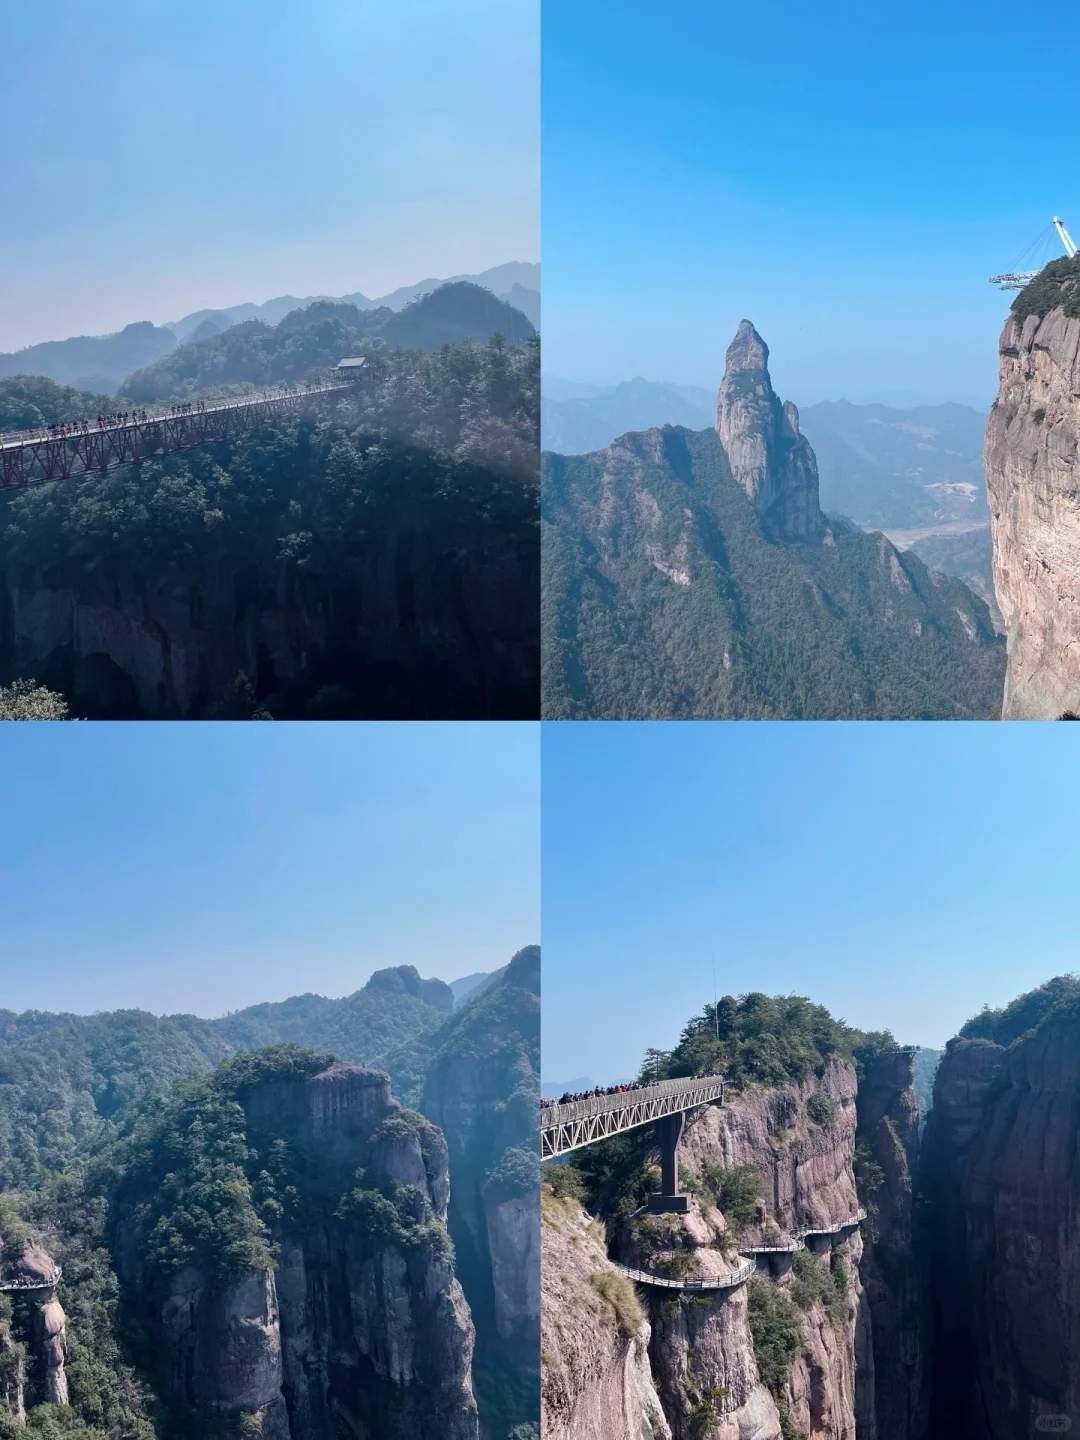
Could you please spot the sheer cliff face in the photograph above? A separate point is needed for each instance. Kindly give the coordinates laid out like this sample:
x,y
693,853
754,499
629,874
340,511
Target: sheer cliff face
x,y
1002,1158
482,1089
706,1349
360,1329
772,462
701,1358
1032,470
893,1359
597,1383
419,614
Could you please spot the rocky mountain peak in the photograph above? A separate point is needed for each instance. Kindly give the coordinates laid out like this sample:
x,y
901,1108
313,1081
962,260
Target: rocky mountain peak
x,y
747,351
772,462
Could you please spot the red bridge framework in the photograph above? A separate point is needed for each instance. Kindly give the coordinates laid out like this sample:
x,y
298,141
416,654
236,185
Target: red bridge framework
x,y
34,458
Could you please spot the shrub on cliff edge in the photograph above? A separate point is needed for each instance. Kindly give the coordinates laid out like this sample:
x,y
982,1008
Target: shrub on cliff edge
x,y
621,1296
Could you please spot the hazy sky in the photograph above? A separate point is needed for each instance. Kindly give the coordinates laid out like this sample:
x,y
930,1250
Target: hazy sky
x,y
846,175
206,867
156,158
901,874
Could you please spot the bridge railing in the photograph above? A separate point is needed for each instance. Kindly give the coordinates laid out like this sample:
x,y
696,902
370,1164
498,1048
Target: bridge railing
x,y
44,434
737,1277
26,1284
561,1114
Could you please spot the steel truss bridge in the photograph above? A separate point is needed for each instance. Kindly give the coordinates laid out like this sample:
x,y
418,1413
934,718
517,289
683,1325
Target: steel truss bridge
x,y
32,458
582,1122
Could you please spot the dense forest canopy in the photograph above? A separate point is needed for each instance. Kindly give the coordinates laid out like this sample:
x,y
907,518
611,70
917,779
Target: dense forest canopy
x,y
1060,996
28,402
764,1039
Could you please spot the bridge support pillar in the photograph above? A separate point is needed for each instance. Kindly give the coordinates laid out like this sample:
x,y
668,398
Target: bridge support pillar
x,y
781,1266
669,1201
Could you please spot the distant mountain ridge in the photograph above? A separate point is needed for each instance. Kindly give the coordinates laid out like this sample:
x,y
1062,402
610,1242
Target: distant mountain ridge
x,y
501,280
101,363
255,353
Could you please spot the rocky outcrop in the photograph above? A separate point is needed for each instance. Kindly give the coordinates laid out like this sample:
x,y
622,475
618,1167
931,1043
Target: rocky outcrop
x,y
892,1353
33,1333
1033,479
597,1383
1001,1162
360,1327
772,462
407,980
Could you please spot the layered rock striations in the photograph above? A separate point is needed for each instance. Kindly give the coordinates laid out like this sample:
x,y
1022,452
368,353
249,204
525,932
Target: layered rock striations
x,y
1033,480
1003,1175
692,575
358,1325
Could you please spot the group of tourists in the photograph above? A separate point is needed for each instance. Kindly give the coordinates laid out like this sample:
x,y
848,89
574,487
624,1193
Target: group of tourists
x,y
118,419
571,1097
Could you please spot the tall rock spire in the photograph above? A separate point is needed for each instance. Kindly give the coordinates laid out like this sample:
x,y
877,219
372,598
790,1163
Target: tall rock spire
x,y
772,462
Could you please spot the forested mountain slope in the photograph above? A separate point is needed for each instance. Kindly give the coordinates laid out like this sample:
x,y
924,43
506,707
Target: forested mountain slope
x,y
114,1129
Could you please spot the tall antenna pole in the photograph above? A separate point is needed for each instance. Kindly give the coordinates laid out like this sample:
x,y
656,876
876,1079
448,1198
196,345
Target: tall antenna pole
x,y
1064,236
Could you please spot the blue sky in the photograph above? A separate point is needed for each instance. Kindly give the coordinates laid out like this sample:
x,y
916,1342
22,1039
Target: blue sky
x,y
846,175
901,874
206,867
168,157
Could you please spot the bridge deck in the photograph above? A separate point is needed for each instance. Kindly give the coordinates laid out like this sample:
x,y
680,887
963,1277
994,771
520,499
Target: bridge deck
x,y
9,1285
738,1276
799,1237
34,457
582,1122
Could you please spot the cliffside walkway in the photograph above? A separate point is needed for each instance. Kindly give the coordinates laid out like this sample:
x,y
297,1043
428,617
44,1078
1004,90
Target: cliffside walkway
x,y
34,457
582,1122
44,1284
799,1237
737,1277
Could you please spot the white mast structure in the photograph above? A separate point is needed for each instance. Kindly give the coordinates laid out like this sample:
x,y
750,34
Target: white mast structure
x,y
1017,279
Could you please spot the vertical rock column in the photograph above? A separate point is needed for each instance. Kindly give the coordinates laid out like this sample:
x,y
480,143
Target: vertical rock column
x,y
1032,462
768,456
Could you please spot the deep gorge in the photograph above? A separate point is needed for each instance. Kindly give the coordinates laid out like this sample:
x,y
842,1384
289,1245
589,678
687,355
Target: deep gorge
x,y
946,1312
